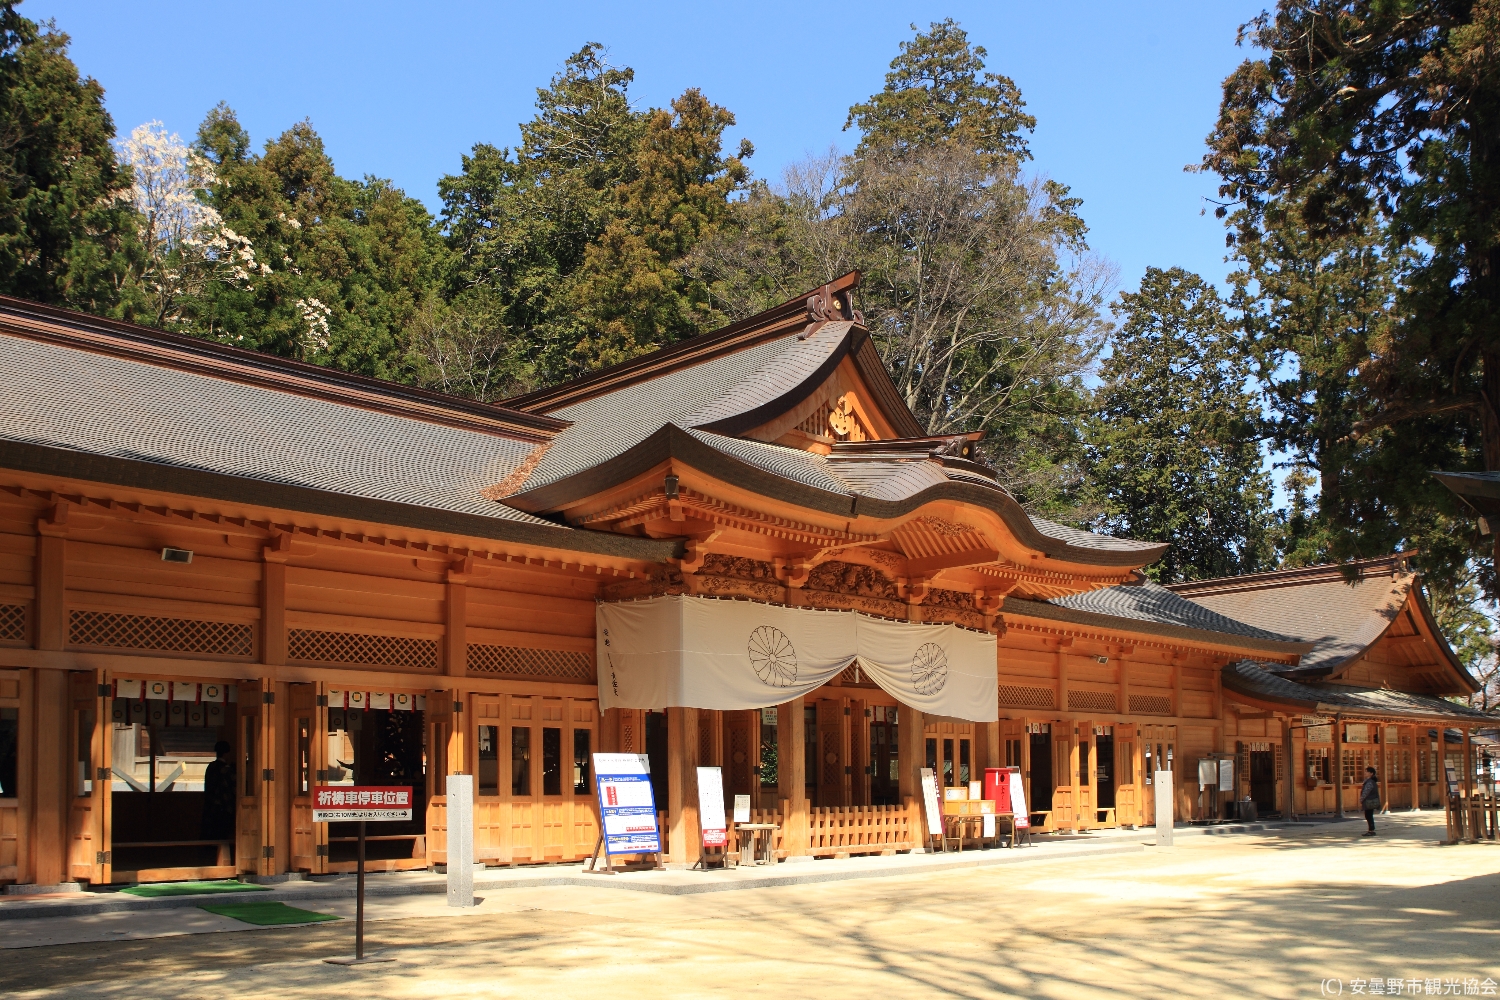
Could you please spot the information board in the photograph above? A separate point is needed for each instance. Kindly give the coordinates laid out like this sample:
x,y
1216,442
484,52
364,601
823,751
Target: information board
x,y
711,807
742,808
1022,815
1226,774
627,804
370,803
930,798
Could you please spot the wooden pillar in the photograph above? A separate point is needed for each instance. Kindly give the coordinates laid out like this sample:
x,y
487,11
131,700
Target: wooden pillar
x,y
682,786
273,599
1081,732
51,562
991,746
49,783
26,747
1467,788
1415,777
791,775
1384,769
1289,769
1062,676
846,751
1338,766
455,620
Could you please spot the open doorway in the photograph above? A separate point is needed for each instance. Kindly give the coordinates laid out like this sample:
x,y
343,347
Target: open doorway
x,y
1104,770
173,797
1263,781
378,747
885,758
1041,772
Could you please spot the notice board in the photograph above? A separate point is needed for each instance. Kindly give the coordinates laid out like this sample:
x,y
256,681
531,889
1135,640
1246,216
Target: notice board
x,y
627,805
711,806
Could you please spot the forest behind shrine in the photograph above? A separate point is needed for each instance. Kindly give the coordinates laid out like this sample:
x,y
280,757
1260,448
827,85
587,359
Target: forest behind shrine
x,y
1354,348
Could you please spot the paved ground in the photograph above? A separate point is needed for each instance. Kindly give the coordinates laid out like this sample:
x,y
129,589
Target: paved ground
x,y
1258,915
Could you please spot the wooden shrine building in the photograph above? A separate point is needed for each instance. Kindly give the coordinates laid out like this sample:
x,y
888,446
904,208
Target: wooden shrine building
x,y
350,581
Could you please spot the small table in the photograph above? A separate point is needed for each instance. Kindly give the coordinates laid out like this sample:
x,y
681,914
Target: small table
x,y
957,827
748,854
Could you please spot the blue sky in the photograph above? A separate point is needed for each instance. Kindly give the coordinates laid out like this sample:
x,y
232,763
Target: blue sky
x,y
1123,93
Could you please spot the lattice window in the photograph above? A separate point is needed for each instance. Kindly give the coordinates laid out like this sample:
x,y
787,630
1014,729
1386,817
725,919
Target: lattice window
x,y
517,661
174,635
1092,701
358,648
1150,704
1014,696
12,623
833,774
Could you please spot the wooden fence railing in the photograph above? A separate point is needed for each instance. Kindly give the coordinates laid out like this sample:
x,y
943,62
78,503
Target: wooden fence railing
x,y
844,830
1473,819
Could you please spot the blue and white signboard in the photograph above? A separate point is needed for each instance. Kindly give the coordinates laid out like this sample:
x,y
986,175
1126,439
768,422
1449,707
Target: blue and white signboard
x,y
626,803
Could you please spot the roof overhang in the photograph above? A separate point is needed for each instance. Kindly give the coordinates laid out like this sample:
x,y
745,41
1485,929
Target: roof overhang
x,y
1255,685
157,477
1235,645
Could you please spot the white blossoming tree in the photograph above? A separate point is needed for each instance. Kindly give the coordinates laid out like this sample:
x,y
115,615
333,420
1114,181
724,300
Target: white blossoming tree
x,y
186,243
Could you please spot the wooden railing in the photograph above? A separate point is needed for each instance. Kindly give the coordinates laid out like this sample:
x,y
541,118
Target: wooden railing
x,y
1473,819
845,830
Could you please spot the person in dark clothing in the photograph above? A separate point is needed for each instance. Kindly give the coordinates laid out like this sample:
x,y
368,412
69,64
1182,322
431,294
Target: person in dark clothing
x,y
1369,799
218,796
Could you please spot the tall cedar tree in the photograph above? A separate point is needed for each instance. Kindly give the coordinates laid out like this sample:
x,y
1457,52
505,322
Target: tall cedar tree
x,y
1367,113
1173,443
578,235
66,231
349,260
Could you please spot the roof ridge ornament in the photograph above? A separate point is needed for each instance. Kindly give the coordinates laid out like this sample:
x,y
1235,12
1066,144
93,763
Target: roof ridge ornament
x,y
829,306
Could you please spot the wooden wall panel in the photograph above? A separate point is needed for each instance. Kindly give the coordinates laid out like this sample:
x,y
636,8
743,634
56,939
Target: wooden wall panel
x,y
338,593
501,609
113,569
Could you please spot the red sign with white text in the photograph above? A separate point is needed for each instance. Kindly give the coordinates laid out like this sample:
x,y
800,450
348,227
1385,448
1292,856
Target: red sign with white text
x,y
371,803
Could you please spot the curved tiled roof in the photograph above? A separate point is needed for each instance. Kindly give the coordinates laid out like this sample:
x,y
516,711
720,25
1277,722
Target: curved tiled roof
x,y
1146,601
1089,540
1253,681
78,400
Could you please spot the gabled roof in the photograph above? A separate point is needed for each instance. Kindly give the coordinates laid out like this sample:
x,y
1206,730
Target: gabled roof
x,y
1149,602
111,402
1479,490
1253,681
1343,610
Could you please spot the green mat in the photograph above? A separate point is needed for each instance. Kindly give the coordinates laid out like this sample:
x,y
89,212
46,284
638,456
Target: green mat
x,y
266,914
194,888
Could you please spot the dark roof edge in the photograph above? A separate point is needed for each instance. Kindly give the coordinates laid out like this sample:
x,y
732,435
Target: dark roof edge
x,y
81,331
672,441
1466,678
1297,576
778,320
140,474
1239,685
1040,609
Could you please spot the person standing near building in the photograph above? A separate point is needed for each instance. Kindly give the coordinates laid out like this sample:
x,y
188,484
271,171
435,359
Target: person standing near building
x,y
218,796
1369,799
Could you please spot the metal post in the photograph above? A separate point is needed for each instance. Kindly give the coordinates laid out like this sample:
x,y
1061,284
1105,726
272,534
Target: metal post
x,y
359,903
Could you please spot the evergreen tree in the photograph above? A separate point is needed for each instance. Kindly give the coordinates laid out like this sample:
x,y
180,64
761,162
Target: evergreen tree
x,y
1173,448
66,224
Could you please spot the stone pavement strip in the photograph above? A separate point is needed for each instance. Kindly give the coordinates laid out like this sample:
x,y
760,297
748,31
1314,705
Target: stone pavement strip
x,y
1273,913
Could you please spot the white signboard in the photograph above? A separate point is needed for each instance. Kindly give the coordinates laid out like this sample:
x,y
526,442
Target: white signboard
x,y
711,806
742,808
1208,773
930,797
1226,774
627,804
1018,802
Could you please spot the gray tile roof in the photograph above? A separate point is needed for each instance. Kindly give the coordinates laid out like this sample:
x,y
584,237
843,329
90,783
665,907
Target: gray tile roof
x,y
1253,680
1087,539
800,466
78,400
1341,618
1146,601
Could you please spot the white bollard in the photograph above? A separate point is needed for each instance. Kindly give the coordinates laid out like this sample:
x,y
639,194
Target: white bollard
x,y
460,840
1163,786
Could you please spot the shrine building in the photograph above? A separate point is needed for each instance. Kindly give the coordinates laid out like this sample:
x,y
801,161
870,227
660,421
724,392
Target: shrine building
x,y
348,581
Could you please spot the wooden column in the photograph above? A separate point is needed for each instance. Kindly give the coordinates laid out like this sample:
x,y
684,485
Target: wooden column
x,y
991,746
26,747
50,784
846,751
1413,775
1338,766
1384,769
455,620
1289,769
51,559
273,599
791,775
911,751
682,786
1062,675
1467,787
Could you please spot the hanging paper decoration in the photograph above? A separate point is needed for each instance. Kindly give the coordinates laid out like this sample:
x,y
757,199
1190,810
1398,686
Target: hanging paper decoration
x,y
421,702
401,701
184,691
336,698
128,687
158,690
380,700
358,699
212,694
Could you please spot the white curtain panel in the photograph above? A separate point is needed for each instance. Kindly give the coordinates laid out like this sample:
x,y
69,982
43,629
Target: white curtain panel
x,y
697,652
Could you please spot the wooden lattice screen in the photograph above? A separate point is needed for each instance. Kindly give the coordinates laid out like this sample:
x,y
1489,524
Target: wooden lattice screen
x,y
517,661
1016,696
1092,701
174,635
316,646
12,623
1150,704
